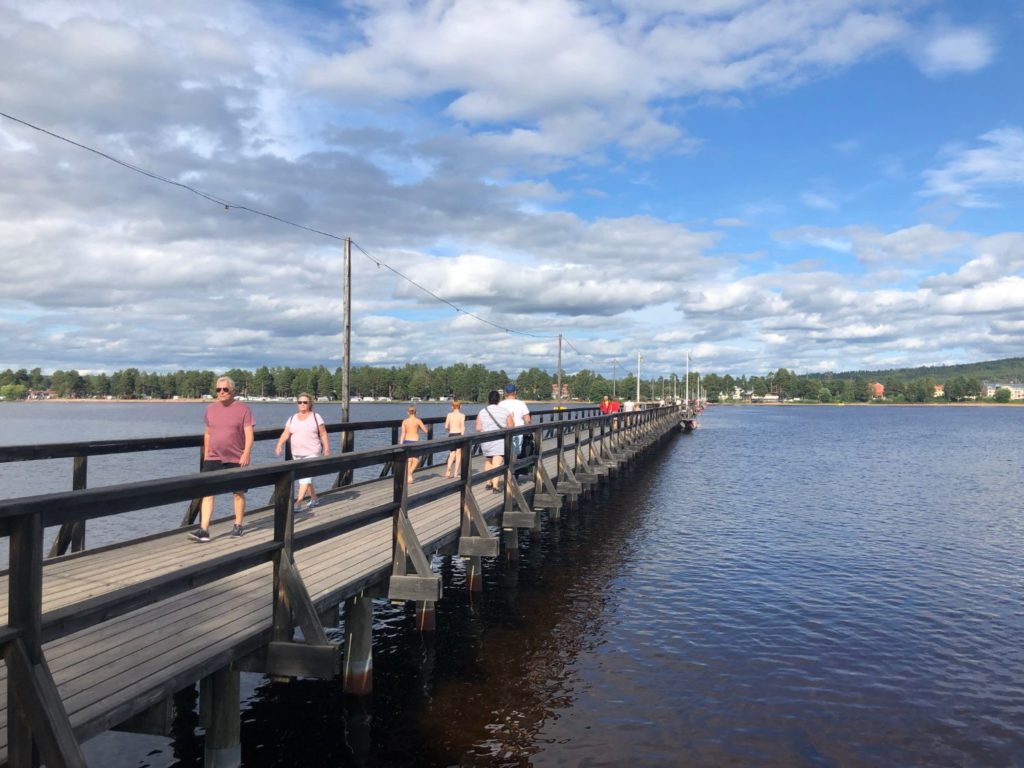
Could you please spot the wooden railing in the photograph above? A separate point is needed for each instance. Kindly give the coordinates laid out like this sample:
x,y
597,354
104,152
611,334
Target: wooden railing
x,y
72,535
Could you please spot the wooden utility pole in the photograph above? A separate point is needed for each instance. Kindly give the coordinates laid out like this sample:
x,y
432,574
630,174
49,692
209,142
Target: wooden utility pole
x,y
346,331
348,439
639,359
559,370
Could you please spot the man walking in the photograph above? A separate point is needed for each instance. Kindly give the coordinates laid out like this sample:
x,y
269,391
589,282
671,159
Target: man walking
x,y
227,443
520,416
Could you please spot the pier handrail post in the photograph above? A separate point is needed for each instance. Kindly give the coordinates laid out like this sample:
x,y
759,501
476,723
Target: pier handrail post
x,y
284,531
348,445
423,585
389,465
400,496
193,506
560,443
506,507
38,728
73,533
24,612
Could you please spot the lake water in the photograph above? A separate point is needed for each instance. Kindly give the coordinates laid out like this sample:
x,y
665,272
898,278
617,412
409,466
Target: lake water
x,y
798,586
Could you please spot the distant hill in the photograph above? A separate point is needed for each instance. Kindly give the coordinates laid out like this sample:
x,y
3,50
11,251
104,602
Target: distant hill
x,y
1009,369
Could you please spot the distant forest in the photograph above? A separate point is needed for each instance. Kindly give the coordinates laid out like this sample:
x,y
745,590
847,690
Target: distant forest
x,y
472,382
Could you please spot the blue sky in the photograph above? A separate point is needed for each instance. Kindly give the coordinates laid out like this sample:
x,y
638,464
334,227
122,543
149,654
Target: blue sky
x,y
763,183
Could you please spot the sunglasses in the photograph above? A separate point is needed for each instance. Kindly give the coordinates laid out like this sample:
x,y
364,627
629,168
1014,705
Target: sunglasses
x,y
303,402
223,389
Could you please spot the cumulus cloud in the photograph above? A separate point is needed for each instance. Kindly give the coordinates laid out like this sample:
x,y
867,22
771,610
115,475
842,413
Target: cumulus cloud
x,y
969,172
947,51
454,142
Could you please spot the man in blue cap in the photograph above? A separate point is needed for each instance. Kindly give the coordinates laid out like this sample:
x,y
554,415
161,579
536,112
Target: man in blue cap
x,y
520,416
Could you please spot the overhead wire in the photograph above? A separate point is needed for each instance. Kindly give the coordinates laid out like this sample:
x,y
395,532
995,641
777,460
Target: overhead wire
x,y
228,205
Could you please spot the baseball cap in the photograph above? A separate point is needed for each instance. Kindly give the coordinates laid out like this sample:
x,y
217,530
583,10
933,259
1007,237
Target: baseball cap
x,y
510,388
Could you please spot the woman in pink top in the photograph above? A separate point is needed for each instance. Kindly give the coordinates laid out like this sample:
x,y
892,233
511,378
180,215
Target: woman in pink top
x,y
308,435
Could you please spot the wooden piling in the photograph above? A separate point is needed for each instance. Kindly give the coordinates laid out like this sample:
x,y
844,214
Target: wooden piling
x,y
357,678
223,748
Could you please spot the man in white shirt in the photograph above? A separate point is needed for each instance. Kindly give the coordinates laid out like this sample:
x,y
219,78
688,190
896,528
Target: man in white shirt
x,y
520,415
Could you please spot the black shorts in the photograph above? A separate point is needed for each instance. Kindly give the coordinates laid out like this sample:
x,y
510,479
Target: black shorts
x,y
212,465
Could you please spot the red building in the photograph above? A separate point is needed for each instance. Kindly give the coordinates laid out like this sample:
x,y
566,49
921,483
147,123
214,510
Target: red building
x,y
877,389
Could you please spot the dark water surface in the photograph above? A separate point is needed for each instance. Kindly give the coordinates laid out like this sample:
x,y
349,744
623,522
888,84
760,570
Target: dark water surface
x,y
787,586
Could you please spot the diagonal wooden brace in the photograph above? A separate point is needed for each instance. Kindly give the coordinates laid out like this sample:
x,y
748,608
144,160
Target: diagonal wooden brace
x,y
567,482
475,539
425,584
584,473
545,495
317,656
40,705
518,513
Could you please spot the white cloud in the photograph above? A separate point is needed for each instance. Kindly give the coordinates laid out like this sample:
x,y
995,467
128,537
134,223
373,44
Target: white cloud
x,y
949,51
970,172
474,150
818,201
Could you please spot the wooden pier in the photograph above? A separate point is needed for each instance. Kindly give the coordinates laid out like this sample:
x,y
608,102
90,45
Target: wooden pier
x,y
105,638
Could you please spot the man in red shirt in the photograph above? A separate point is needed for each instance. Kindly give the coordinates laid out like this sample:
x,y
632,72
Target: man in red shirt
x,y
605,406
227,443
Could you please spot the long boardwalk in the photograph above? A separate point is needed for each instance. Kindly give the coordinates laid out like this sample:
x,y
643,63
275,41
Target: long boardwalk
x,y
106,637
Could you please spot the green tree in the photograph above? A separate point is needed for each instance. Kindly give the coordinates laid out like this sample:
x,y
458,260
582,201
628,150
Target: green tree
x,y
1002,395
535,384
13,392
262,382
955,389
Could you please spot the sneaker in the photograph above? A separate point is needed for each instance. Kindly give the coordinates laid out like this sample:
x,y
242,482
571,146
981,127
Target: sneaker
x,y
313,503
201,535
237,530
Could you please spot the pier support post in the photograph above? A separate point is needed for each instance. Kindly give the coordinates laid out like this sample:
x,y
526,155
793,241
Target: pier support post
x,y
223,748
510,541
426,615
357,677
474,574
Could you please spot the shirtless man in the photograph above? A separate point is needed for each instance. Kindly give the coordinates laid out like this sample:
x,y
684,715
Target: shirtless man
x,y
411,427
455,425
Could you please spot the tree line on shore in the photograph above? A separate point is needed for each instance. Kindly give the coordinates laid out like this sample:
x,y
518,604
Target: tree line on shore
x,y
473,382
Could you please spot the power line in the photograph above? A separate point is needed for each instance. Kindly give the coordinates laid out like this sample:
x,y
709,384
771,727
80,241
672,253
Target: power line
x,y
229,205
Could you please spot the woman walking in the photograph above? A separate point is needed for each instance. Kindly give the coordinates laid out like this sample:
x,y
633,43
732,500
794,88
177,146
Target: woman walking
x,y
493,418
308,435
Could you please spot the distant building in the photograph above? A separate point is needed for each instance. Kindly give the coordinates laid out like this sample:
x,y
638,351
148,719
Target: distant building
x,y
940,390
565,392
877,390
989,389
